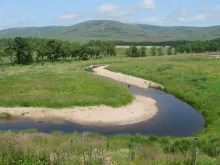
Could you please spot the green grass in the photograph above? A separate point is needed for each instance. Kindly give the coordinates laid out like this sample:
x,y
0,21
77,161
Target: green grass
x,y
193,78
75,148
57,86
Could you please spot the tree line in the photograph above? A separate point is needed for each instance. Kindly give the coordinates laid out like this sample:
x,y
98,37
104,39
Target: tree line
x,y
149,43
28,50
174,43
134,51
199,46
179,48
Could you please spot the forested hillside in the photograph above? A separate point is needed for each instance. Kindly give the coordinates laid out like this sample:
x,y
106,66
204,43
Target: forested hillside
x,y
115,31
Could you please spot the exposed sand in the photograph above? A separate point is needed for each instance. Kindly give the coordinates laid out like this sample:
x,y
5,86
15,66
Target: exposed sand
x,y
124,78
141,109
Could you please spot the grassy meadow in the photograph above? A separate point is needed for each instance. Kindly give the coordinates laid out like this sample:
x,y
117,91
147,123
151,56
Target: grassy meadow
x,y
58,85
193,78
57,148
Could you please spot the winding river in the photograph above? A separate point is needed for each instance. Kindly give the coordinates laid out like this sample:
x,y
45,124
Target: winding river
x,y
174,118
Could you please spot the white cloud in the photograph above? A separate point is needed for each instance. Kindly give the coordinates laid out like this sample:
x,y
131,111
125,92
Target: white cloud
x,y
208,14
184,12
198,17
125,12
178,15
148,4
217,7
110,10
68,16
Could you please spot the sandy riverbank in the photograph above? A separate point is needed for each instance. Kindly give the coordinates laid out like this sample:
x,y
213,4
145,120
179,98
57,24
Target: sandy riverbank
x,y
141,109
124,78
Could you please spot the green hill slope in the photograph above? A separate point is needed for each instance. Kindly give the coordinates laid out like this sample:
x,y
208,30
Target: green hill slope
x,y
113,30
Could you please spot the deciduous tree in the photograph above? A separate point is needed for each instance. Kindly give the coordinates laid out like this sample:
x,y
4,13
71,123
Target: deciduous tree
x,y
143,52
160,51
153,51
23,51
169,51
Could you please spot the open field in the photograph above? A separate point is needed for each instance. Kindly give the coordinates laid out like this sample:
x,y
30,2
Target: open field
x,y
193,78
58,86
148,47
141,109
61,149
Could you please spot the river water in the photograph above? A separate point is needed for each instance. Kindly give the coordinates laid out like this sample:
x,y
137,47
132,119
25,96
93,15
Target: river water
x,y
175,118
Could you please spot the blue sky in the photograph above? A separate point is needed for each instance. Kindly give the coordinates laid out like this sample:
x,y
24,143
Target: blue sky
x,y
20,13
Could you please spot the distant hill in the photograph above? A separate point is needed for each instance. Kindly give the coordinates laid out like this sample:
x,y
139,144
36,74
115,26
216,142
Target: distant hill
x,y
115,31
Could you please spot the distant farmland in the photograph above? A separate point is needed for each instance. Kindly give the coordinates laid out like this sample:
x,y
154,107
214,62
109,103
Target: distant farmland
x,y
119,46
120,50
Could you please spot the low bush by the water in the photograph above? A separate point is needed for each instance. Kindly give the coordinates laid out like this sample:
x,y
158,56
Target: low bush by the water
x,y
5,115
